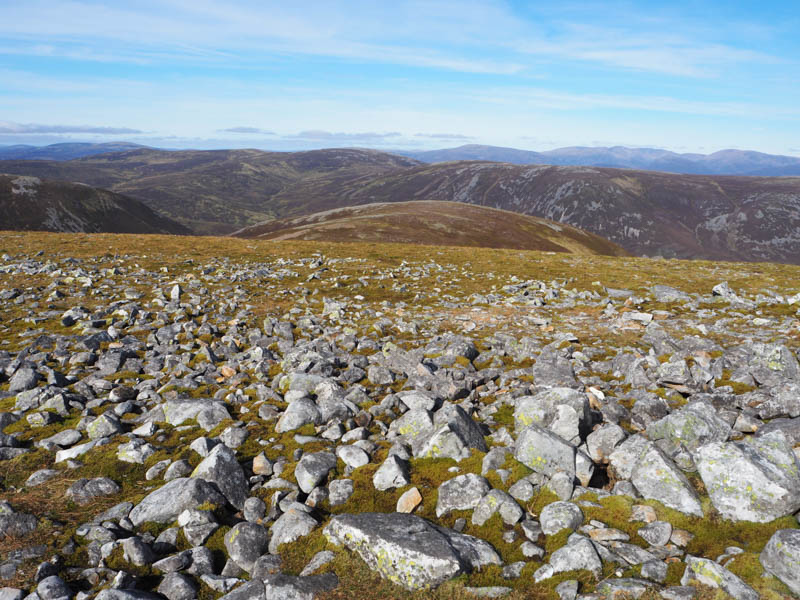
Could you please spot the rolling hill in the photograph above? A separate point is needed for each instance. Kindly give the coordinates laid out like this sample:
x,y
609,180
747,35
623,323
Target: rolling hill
x,y
724,162
30,204
217,191
647,213
434,223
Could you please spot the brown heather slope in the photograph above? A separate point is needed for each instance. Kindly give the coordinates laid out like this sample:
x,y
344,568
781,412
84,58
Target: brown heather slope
x,y
215,191
434,223
30,204
647,213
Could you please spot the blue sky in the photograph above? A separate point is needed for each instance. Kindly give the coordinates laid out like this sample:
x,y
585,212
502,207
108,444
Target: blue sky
x,y
687,76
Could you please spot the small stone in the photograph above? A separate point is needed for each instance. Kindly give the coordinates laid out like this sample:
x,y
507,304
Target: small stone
x,y
409,501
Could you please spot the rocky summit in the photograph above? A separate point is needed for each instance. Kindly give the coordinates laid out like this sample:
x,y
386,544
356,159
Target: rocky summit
x,y
248,419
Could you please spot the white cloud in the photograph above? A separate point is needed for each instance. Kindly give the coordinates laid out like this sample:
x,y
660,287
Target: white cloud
x,y
251,130
7,127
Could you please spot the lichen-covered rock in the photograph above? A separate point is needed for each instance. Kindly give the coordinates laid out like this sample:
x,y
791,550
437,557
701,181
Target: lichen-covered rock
x,y
544,451
757,480
579,554
84,491
393,473
454,435
560,515
245,543
208,413
409,550
302,411
692,426
707,572
461,493
656,477
781,557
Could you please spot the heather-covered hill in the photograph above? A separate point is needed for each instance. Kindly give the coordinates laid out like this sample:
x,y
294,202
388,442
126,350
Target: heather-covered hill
x,y
434,223
31,204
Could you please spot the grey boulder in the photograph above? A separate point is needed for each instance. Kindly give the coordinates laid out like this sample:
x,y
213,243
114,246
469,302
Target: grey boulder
x,y
290,526
656,477
781,557
167,502
707,572
560,515
313,469
757,480
409,550
544,451
245,543
461,493
222,469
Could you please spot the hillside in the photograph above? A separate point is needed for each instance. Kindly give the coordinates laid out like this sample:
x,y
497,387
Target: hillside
x,y
221,418
214,191
434,223
647,213
724,162
31,204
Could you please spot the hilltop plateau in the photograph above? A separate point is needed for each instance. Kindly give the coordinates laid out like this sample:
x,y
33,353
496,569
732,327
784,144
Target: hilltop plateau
x,y
434,223
186,417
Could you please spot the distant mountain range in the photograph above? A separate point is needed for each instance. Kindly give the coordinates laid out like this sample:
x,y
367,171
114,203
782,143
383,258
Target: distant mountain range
x,y
65,151
434,223
724,162
647,213
30,204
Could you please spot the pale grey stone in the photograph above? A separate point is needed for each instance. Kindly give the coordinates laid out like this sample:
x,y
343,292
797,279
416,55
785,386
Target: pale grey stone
x,y
781,557
757,480
657,478
423,554
393,473
707,572
544,451
290,526
463,492
166,503
245,543
560,515
313,469
222,469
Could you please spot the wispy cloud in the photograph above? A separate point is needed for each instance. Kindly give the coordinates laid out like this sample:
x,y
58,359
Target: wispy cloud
x,y
250,130
317,135
444,136
7,127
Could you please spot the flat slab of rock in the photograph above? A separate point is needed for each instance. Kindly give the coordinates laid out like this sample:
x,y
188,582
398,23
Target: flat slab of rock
x,y
408,550
167,502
